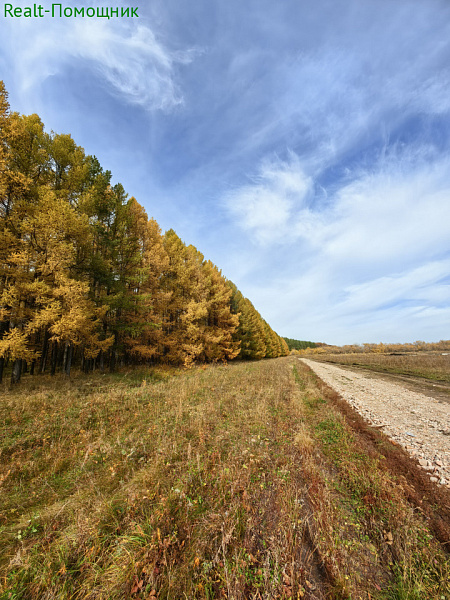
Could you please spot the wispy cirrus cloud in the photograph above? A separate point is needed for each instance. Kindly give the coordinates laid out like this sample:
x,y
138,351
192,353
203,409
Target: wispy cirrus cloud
x,y
399,203
265,206
127,56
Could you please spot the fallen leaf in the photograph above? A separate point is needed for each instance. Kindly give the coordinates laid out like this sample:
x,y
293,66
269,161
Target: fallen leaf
x,y
137,586
3,477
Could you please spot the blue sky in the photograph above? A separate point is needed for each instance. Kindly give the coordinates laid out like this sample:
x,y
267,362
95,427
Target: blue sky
x,y
302,146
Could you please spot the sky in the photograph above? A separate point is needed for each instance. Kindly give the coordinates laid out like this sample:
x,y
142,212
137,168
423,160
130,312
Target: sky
x,y
301,145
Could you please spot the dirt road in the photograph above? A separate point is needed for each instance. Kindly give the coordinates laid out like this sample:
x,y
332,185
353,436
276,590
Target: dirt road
x,y
419,422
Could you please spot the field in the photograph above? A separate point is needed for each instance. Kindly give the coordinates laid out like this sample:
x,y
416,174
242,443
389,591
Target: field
x,y
429,365
246,481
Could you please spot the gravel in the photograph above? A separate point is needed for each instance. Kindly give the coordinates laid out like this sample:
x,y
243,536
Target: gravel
x,y
418,422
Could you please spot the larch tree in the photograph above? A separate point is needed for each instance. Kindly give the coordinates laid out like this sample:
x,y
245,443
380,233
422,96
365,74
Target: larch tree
x,y
145,339
24,170
43,301
5,234
143,316
221,323
85,276
187,308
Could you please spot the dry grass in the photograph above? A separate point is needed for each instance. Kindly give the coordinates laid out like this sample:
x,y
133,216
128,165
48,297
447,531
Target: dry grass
x,y
430,365
235,482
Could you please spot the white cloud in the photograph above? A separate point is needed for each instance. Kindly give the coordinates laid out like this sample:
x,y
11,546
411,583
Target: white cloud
x,y
362,79
126,55
372,261
390,218
266,206
399,209
419,286
323,304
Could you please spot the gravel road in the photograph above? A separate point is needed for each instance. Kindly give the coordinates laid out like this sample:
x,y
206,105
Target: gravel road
x,y
417,421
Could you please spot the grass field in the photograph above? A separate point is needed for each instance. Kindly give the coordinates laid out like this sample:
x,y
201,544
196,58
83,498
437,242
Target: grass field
x,y
428,365
238,482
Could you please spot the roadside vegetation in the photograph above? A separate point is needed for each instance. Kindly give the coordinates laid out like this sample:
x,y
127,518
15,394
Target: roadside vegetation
x,y
428,365
239,481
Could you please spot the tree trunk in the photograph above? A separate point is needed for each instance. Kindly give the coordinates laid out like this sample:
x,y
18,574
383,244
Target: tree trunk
x,y
61,354
64,361
112,362
2,362
16,371
44,352
54,357
69,360
87,365
83,360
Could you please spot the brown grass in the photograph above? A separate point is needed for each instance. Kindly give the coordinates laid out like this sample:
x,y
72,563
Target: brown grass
x,y
240,481
429,365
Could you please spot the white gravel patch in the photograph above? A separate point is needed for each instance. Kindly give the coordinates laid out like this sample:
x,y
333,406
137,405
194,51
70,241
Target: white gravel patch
x,y
419,423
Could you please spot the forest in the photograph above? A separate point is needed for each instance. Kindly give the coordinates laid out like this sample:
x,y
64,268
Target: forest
x,y
87,279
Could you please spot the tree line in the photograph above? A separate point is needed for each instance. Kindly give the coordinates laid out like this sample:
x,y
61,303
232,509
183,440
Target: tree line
x,y
298,344
381,348
87,278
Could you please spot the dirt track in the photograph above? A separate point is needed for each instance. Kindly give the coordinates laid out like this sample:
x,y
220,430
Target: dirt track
x,y
419,422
